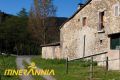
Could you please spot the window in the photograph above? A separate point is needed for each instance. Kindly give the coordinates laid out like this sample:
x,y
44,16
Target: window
x,y
116,9
115,42
84,21
101,21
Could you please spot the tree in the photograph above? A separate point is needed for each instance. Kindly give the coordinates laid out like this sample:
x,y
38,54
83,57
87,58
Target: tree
x,y
23,13
40,19
15,37
13,31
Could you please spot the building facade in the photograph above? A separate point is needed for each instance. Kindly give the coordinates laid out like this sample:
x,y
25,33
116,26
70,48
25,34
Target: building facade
x,y
93,29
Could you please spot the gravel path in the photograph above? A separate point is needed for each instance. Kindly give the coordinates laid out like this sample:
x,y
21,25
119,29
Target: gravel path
x,y
20,65
19,62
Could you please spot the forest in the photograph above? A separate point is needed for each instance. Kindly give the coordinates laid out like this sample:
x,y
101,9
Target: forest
x,y
22,34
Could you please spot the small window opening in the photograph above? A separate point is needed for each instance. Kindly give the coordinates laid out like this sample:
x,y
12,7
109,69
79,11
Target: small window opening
x,y
101,41
101,21
84,21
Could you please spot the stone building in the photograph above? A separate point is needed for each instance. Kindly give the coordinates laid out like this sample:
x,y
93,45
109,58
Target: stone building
x,y
51,49
93,29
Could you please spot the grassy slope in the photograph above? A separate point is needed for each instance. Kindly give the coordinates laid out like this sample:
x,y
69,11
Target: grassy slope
x,y
9,64
76,70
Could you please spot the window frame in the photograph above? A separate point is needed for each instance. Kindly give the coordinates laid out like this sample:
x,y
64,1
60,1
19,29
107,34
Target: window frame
x,y
118,10
101,25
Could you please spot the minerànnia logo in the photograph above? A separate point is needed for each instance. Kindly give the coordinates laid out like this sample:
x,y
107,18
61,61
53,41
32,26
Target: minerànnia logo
x,y
31,70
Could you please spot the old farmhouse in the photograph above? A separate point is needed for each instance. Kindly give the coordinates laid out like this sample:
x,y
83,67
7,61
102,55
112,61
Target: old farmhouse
x,y
93,29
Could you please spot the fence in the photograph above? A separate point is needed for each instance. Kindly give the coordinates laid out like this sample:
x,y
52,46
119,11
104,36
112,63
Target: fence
x,y
92,71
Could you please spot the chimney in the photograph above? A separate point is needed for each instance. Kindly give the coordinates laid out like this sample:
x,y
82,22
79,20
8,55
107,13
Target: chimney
x,y
80,5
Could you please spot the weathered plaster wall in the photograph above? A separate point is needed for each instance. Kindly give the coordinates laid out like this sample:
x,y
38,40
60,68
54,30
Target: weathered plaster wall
x,y
51,52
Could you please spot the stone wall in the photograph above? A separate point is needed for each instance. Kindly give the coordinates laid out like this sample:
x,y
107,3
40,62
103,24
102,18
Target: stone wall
x,y
51,52
72,32
114,57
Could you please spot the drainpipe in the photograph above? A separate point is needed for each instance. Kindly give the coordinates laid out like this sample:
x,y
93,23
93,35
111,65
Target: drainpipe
x,y
84,46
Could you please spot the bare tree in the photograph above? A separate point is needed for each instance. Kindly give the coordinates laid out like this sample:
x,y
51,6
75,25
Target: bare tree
x,y
40,18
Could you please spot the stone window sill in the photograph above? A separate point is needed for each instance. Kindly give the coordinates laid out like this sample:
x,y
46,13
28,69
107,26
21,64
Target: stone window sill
x,y
101,31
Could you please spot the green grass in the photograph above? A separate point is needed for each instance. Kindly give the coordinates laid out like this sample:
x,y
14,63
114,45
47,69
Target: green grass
x,y
78,70
7,62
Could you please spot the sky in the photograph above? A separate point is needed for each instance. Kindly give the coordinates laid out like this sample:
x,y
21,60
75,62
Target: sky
x,y
65,8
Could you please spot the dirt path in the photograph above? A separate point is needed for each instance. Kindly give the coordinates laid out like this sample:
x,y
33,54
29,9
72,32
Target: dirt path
x,y
19,62
20,65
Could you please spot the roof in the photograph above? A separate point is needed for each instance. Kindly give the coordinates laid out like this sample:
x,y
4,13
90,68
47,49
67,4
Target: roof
x,y
77,12
51,44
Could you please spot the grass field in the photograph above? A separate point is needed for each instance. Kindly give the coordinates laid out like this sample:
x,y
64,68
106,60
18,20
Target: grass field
x,y
78,70
7,62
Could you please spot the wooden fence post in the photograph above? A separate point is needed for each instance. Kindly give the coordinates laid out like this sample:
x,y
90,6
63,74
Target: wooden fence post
x,y
106,63
67,66
91,68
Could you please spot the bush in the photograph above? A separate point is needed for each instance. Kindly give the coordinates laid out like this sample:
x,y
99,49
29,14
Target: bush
x,y
87,63
83,63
